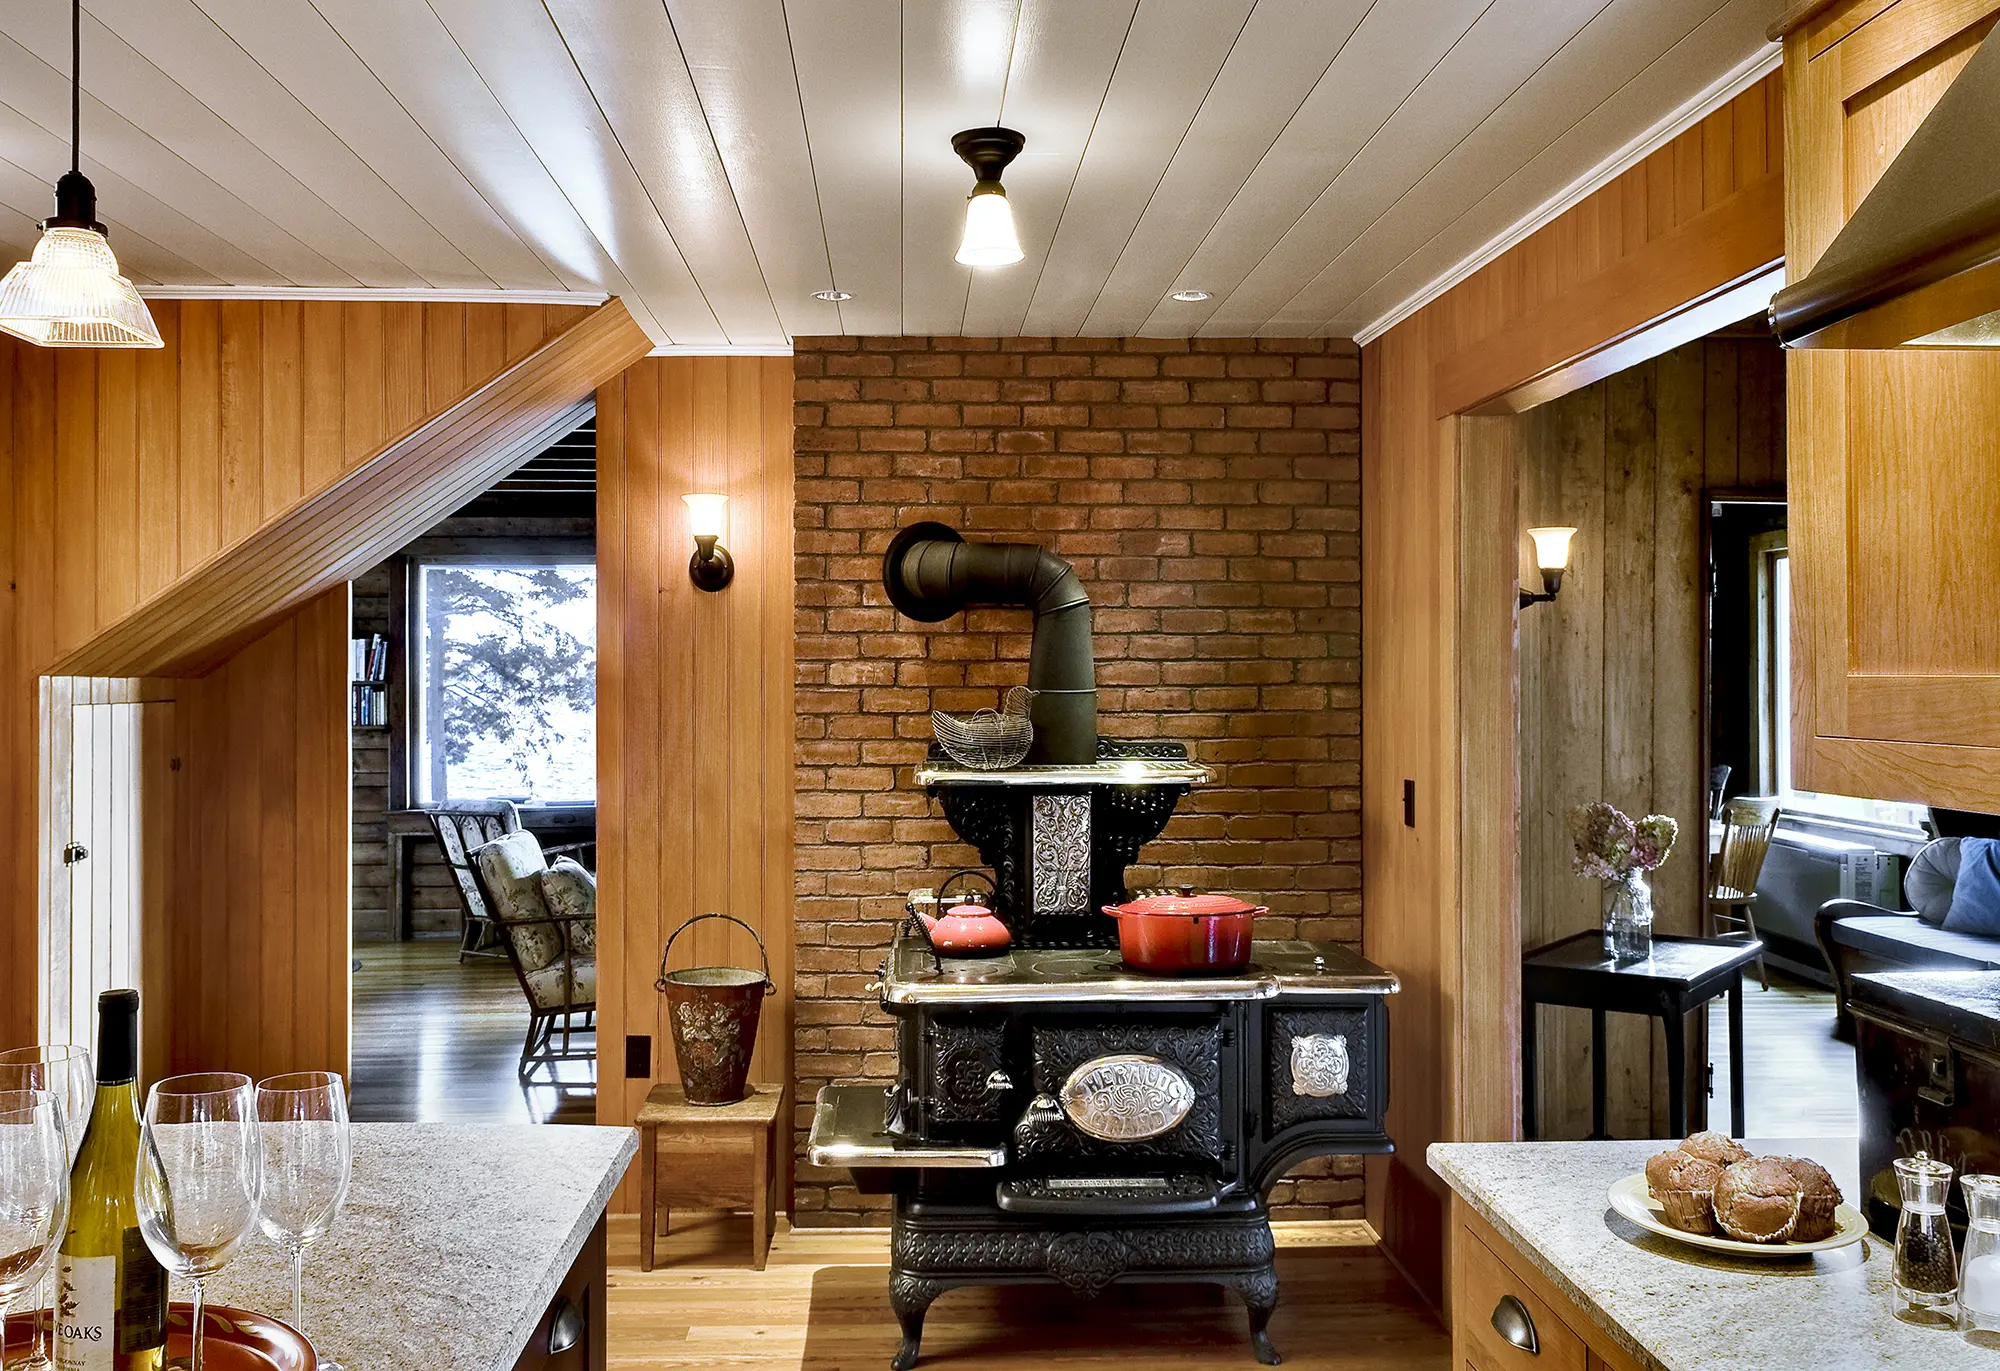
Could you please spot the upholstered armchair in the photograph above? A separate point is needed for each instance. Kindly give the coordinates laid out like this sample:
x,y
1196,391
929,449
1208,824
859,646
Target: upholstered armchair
x,y
547,916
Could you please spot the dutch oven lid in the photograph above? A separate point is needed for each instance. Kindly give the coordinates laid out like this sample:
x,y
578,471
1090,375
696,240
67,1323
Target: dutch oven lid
x,y
1188,901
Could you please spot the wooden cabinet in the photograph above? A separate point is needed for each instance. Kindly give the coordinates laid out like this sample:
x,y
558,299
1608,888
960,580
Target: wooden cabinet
x,y
1507,1316
1894,455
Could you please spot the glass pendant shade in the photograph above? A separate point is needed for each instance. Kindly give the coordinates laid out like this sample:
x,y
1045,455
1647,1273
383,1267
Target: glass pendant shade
x,y
989,239
69,294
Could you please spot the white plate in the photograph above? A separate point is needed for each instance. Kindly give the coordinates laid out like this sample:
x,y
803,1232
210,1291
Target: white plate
x,y
1630,1198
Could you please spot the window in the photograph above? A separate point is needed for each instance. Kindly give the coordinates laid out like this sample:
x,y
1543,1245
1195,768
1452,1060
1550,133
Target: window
x,y
507,687
1771,579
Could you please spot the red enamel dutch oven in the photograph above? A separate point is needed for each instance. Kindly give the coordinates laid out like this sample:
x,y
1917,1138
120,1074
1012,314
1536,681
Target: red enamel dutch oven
x,y
1188,934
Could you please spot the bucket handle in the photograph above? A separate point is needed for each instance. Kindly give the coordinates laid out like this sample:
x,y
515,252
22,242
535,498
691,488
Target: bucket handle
x,y
661,984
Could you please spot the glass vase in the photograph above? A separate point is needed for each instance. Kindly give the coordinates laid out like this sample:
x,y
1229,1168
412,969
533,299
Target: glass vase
x,y
1628,918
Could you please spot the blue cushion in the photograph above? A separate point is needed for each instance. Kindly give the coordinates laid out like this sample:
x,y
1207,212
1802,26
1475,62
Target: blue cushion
x,y
1975,900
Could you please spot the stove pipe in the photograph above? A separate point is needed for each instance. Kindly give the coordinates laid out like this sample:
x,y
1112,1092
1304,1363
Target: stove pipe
x,y
931,573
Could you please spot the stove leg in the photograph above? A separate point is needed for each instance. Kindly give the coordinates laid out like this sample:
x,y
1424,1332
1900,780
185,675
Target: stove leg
x,y
1259,1290
910,1297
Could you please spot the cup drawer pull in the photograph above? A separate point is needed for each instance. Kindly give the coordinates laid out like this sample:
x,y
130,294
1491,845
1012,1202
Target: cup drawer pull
x,y
1512,1321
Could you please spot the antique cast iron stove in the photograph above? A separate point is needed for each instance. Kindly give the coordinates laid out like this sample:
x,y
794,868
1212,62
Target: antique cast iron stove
x,y
1057,1117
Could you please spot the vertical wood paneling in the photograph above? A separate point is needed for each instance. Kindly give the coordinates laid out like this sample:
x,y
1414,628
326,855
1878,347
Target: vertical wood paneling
x,y
119,475
1517,318
1611,671
693,699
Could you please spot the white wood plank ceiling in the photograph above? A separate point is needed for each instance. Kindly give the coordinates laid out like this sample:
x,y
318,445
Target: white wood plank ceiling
x,y
1313,163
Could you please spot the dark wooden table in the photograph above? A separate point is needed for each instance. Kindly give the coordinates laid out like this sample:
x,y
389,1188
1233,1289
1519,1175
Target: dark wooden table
x,y
1682,975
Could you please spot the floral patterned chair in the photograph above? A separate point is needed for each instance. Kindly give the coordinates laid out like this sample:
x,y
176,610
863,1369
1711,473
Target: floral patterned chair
x,y
547,917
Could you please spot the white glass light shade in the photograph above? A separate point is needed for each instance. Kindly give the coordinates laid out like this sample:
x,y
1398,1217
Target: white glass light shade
x,y
989,239
70,295
708,515
1552,547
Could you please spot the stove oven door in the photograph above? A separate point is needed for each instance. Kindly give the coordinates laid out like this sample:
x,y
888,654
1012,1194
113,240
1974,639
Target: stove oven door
x,y
1322,1067
1129,1114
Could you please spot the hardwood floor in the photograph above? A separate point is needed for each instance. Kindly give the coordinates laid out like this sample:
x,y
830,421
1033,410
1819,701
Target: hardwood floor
x,y
822,1304
1798,1079
436,1041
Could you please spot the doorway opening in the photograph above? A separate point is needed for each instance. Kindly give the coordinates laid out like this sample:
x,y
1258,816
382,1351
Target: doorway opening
x,y
473,718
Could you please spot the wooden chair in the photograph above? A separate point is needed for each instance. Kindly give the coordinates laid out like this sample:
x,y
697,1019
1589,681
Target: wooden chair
x,y
1747,825
461,828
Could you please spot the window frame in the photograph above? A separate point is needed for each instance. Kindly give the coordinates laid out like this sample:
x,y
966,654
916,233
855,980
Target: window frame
x,y
408,770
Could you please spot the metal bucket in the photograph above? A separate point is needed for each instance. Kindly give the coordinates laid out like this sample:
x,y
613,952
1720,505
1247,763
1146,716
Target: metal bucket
x,y
713,1011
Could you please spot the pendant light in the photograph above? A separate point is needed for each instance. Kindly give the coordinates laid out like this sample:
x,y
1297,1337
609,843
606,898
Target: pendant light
x,y
989,239
69,294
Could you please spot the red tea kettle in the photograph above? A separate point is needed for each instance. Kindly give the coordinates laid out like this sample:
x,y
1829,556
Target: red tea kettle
x,y
967,928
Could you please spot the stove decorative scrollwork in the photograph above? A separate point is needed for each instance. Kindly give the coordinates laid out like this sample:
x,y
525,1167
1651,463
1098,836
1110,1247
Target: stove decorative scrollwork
x,y
1127,1097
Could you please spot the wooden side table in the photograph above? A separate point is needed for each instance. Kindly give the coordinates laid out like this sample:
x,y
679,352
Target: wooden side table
x,y
722,1156
1682,975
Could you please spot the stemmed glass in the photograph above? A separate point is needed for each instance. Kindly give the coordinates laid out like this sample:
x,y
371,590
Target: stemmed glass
x,y
308,1156
65,1072
198,1177
34,1193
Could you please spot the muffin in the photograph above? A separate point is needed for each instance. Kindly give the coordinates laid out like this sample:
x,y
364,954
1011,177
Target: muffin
x,y
1684,1184
1818,1198
1717,1148
1759,1200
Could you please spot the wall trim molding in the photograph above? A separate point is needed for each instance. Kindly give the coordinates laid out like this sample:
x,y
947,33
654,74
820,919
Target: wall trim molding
x,y
423,295
1683,117
721,350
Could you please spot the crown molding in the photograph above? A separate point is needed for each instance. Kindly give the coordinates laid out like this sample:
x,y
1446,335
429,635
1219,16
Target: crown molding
x,y
420,296
1683,117
721,350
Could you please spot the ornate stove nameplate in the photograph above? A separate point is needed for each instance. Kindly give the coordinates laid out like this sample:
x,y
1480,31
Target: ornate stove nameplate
x,y
1060,844
1127,1097
1320,1065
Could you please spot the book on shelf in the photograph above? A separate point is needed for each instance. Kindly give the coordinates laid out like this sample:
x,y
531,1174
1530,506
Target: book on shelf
x,y
368,706
368,659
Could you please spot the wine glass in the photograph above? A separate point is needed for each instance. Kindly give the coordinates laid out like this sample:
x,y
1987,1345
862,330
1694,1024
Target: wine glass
x,y
65,1072
198,1177
308,1156
34,1193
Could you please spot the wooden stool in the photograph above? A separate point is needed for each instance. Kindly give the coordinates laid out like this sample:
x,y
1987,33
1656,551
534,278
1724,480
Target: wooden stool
x,y
723,1155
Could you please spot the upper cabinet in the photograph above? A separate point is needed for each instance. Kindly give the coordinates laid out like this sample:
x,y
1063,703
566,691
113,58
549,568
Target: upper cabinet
x,y
1894,455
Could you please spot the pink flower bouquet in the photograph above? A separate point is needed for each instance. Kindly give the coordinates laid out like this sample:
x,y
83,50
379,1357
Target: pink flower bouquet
x,y
1610,846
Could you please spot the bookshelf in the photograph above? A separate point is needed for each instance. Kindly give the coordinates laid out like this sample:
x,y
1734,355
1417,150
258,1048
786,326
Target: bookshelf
x,y
368,672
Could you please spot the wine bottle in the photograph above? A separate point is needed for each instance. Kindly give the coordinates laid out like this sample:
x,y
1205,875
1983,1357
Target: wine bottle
x,y
111,1301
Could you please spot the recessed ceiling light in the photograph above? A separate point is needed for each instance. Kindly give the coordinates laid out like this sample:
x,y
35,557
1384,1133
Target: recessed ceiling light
x,y
833,297
1189,297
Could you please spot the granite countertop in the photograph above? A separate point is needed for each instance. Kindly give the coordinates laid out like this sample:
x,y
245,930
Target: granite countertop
x,y
454,1239
1677,1308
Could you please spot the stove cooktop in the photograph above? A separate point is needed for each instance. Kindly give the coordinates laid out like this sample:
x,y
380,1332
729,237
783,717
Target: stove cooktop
x,y
914,975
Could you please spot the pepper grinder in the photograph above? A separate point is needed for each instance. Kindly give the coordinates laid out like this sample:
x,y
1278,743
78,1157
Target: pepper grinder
x,y
1925,1288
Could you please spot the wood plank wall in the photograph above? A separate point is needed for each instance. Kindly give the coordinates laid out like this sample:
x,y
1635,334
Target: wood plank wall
x,y
1611,671
694,702
1700,212
126,473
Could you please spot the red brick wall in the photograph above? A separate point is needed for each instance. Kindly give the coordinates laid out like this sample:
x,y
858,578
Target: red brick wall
x,y
1208,493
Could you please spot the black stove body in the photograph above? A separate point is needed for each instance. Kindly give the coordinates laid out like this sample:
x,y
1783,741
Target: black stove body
x,y
1057,1117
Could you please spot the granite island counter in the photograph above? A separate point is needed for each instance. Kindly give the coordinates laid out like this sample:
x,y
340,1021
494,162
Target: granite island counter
x,y
455,1244
1532,1221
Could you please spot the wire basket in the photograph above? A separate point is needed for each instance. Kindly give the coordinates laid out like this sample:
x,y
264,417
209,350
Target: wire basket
x,y
990,739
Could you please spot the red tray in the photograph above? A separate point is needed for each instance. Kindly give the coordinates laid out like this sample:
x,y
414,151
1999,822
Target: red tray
x,y
238,1340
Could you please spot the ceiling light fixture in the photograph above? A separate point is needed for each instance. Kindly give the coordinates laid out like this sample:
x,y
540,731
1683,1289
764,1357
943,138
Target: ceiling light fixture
x,y
989,239
69,294
1190,297
833,297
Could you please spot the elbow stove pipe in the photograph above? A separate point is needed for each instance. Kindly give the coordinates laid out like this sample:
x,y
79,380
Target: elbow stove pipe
x,y
931,573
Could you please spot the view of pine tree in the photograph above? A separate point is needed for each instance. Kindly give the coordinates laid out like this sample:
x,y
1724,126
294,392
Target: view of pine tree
x,y
511,681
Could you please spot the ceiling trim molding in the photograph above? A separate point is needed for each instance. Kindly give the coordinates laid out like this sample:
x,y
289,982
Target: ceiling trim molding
x,y
434,295
1690,112
721,350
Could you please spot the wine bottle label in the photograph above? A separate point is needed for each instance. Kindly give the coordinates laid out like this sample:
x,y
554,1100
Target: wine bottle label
x,y
86,1313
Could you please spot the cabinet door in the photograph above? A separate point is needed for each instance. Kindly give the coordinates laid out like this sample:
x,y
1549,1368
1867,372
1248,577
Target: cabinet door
x,y
1894,461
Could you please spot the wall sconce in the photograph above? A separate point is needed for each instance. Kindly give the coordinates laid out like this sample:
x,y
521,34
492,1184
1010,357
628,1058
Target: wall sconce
x,y
708,515
1552,556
